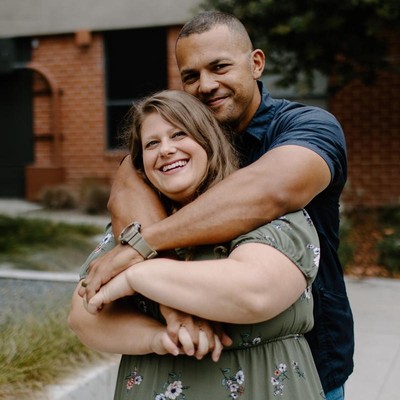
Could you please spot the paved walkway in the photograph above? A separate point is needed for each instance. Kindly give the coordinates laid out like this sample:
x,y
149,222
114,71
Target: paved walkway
x,y
376,308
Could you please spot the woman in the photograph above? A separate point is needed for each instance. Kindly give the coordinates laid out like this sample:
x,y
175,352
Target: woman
x,y
258,285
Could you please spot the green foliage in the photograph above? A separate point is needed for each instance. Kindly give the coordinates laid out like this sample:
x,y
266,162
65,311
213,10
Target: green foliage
x,y
346,247
24,233
341,39
389,245
389,252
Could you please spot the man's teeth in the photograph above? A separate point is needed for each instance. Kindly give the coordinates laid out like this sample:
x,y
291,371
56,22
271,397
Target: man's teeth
x,y
174,165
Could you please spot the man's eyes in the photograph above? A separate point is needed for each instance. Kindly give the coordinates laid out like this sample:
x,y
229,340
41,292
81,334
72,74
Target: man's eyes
x,y
189,78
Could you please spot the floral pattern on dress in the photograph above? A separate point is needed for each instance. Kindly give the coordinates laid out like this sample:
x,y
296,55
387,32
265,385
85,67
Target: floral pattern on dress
x,y
247,341
281,374
133,378
316,252
172,389
233,383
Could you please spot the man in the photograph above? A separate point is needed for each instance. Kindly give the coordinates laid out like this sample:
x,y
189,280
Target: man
x,y
293,156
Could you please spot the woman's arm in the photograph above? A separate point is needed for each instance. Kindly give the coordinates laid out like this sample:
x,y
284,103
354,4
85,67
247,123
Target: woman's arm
x,y
119,329
256,283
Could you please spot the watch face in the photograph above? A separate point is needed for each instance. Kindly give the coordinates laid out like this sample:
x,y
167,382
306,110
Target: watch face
x,y
129,231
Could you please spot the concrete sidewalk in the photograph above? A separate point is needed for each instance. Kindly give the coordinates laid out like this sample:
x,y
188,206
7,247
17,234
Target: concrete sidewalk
x,y
376,307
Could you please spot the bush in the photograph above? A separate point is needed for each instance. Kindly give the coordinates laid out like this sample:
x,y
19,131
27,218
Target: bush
x,y
58,198
346,247
389,251
95,196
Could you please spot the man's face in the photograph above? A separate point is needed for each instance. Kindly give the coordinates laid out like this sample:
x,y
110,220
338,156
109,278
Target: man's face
x,y
221,70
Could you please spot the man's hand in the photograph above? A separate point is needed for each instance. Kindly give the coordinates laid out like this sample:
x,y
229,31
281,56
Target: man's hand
x,y
196,336
106,267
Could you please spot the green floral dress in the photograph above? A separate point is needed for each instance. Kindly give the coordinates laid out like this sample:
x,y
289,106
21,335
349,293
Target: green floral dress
x,y
267,360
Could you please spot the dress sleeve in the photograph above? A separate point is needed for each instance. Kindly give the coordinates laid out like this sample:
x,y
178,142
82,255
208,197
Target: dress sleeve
x,y
105,245
295,236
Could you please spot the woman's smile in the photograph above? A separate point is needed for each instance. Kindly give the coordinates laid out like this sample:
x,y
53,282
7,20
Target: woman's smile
x,y
173,161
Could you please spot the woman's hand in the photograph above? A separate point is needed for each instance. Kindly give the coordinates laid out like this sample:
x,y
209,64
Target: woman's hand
x,y
116,288
195,336
103,269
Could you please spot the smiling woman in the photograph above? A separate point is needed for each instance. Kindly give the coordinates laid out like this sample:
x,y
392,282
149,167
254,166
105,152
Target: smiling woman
x,y
173,161
172,147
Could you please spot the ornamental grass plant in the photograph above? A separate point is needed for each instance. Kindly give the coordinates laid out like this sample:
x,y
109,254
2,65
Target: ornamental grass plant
x,y
36,351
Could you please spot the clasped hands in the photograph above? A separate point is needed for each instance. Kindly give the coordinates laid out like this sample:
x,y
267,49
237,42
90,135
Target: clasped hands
x,y
182,334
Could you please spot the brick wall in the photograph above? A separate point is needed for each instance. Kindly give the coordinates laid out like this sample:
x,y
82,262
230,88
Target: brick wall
x,y
79,72
371,120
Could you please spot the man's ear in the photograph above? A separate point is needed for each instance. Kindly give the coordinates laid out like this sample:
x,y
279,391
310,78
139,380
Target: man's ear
x,y
258,58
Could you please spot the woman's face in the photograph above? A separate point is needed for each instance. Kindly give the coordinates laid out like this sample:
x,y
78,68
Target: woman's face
x,y
173,162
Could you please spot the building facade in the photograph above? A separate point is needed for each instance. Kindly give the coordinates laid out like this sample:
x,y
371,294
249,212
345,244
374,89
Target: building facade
x,y
69,77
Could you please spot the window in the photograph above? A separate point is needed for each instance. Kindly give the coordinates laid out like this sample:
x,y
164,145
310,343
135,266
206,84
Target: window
x,y
136,65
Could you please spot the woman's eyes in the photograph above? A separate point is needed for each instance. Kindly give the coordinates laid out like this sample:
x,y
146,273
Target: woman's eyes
x,y
175,136
179,134
150,144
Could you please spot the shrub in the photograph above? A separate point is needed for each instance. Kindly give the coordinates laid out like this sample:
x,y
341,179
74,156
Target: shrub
x,y
389,251
346,247
58,198
95,196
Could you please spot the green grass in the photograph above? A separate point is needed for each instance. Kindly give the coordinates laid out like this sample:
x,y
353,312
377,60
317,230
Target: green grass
x,y
39,244
37,351
39,348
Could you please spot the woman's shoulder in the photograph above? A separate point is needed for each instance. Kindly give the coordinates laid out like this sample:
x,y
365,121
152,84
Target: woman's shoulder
x,y
293,234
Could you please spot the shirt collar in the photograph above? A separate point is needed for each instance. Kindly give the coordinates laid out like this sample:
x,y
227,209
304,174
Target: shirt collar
x,y
263,115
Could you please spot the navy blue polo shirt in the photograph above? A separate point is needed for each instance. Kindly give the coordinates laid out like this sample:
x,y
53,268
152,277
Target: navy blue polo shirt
x,y
279,123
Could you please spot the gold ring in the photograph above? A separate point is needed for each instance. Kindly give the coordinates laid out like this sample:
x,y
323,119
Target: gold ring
x,y
84,283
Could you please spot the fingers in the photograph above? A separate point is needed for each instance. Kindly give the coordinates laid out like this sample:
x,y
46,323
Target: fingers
x,y
186,342
216,353
204,345
169,345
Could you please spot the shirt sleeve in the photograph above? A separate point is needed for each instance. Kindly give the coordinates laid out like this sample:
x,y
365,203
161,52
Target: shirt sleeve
x,y
317,130
294,236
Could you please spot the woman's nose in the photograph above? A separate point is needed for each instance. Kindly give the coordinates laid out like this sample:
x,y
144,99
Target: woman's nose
x,y
167,147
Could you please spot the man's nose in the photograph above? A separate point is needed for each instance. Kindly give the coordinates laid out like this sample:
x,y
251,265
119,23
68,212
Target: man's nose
x,y
207,83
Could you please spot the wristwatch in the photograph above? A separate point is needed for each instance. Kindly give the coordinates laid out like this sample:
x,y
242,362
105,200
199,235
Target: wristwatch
x,y
131,235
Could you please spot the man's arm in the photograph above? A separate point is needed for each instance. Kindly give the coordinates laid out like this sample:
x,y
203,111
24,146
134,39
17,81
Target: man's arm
x,y
285,179
138,201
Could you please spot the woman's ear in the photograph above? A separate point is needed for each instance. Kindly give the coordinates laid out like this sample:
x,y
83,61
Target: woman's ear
x,y
258,59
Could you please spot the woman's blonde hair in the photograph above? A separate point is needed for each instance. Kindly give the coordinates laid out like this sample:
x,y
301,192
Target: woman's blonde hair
x,y
188,114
